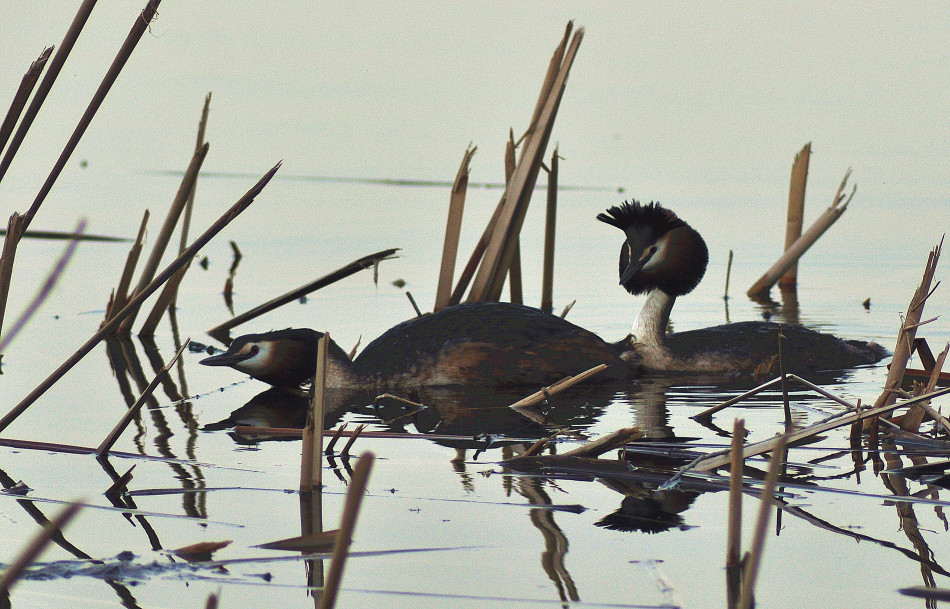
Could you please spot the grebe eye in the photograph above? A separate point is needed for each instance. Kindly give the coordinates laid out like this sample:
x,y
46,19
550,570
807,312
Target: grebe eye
x,y
255,349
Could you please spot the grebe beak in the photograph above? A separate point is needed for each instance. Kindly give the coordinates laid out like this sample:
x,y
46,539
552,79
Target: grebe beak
x,y
229,358
636,264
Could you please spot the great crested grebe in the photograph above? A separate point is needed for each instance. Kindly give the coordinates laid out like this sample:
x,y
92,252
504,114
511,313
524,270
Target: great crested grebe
x,y
664,257
482,343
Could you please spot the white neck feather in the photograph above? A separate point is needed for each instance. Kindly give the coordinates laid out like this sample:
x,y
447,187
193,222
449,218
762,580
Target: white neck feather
x,y
649,329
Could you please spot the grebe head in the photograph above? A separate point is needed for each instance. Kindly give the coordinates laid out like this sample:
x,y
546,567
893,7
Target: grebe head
x,y
283,357
661,251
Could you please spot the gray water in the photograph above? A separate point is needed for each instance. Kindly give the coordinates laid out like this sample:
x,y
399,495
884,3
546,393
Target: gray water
x,y
702,109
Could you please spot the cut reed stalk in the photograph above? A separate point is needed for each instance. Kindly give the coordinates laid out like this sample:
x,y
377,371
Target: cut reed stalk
x,y
718,459
30,78
754,557
515,289
59,58
122,291
465,277
311,458
489,279
915,416
366,262
109,441
336,436
725,292
453,230
45,290
345,453
165,234
606,443
908,331
351,508
550,222
540,396
734,528
762,286
110,327
12,573
142,23
796,211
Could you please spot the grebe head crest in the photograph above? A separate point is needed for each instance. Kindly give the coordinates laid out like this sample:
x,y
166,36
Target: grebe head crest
x,y
661,251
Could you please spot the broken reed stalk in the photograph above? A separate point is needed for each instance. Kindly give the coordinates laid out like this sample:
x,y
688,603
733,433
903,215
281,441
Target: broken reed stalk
x,y
122,291
606,443
165,234
801,245
162,303
543,394
707,414
453,230
908,331
725,292
915,416
311,458
110,327
734,527
190,203
13,573
59,58
142,22
718,459
351,508
515,289
365,262
465,277
15,229
550,222
491,274
45,289
796,211
30,78
754,557
109,441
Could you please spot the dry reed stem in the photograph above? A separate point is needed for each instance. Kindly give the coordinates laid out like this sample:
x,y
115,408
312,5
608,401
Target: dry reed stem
x,y
58,235
718,459
550,223
162,303
725,292
734,526
122,291
138,28
453,230
29,80
489,279
754,558
59,58
515,289
311,454
349,443
212,602
908,330
190,203
915,416
543,394
608,442
45,290
110,327
351,508
465,277
165,234
109,441
12,573
336,436
365,262
796,210
707,414
14,231
801,245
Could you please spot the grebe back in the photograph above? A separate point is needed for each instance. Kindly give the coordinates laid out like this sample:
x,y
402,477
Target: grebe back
x,y
483,343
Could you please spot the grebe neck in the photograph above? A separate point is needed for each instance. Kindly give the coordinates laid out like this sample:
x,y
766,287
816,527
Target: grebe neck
x,y
649,329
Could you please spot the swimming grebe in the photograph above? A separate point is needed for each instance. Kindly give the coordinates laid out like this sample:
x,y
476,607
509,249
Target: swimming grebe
x,y
482,343
664,257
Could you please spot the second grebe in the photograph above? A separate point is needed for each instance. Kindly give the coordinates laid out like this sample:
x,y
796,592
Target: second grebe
x,y
664,257
482,343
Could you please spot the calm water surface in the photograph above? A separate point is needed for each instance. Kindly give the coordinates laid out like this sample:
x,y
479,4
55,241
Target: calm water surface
x,y
700,111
